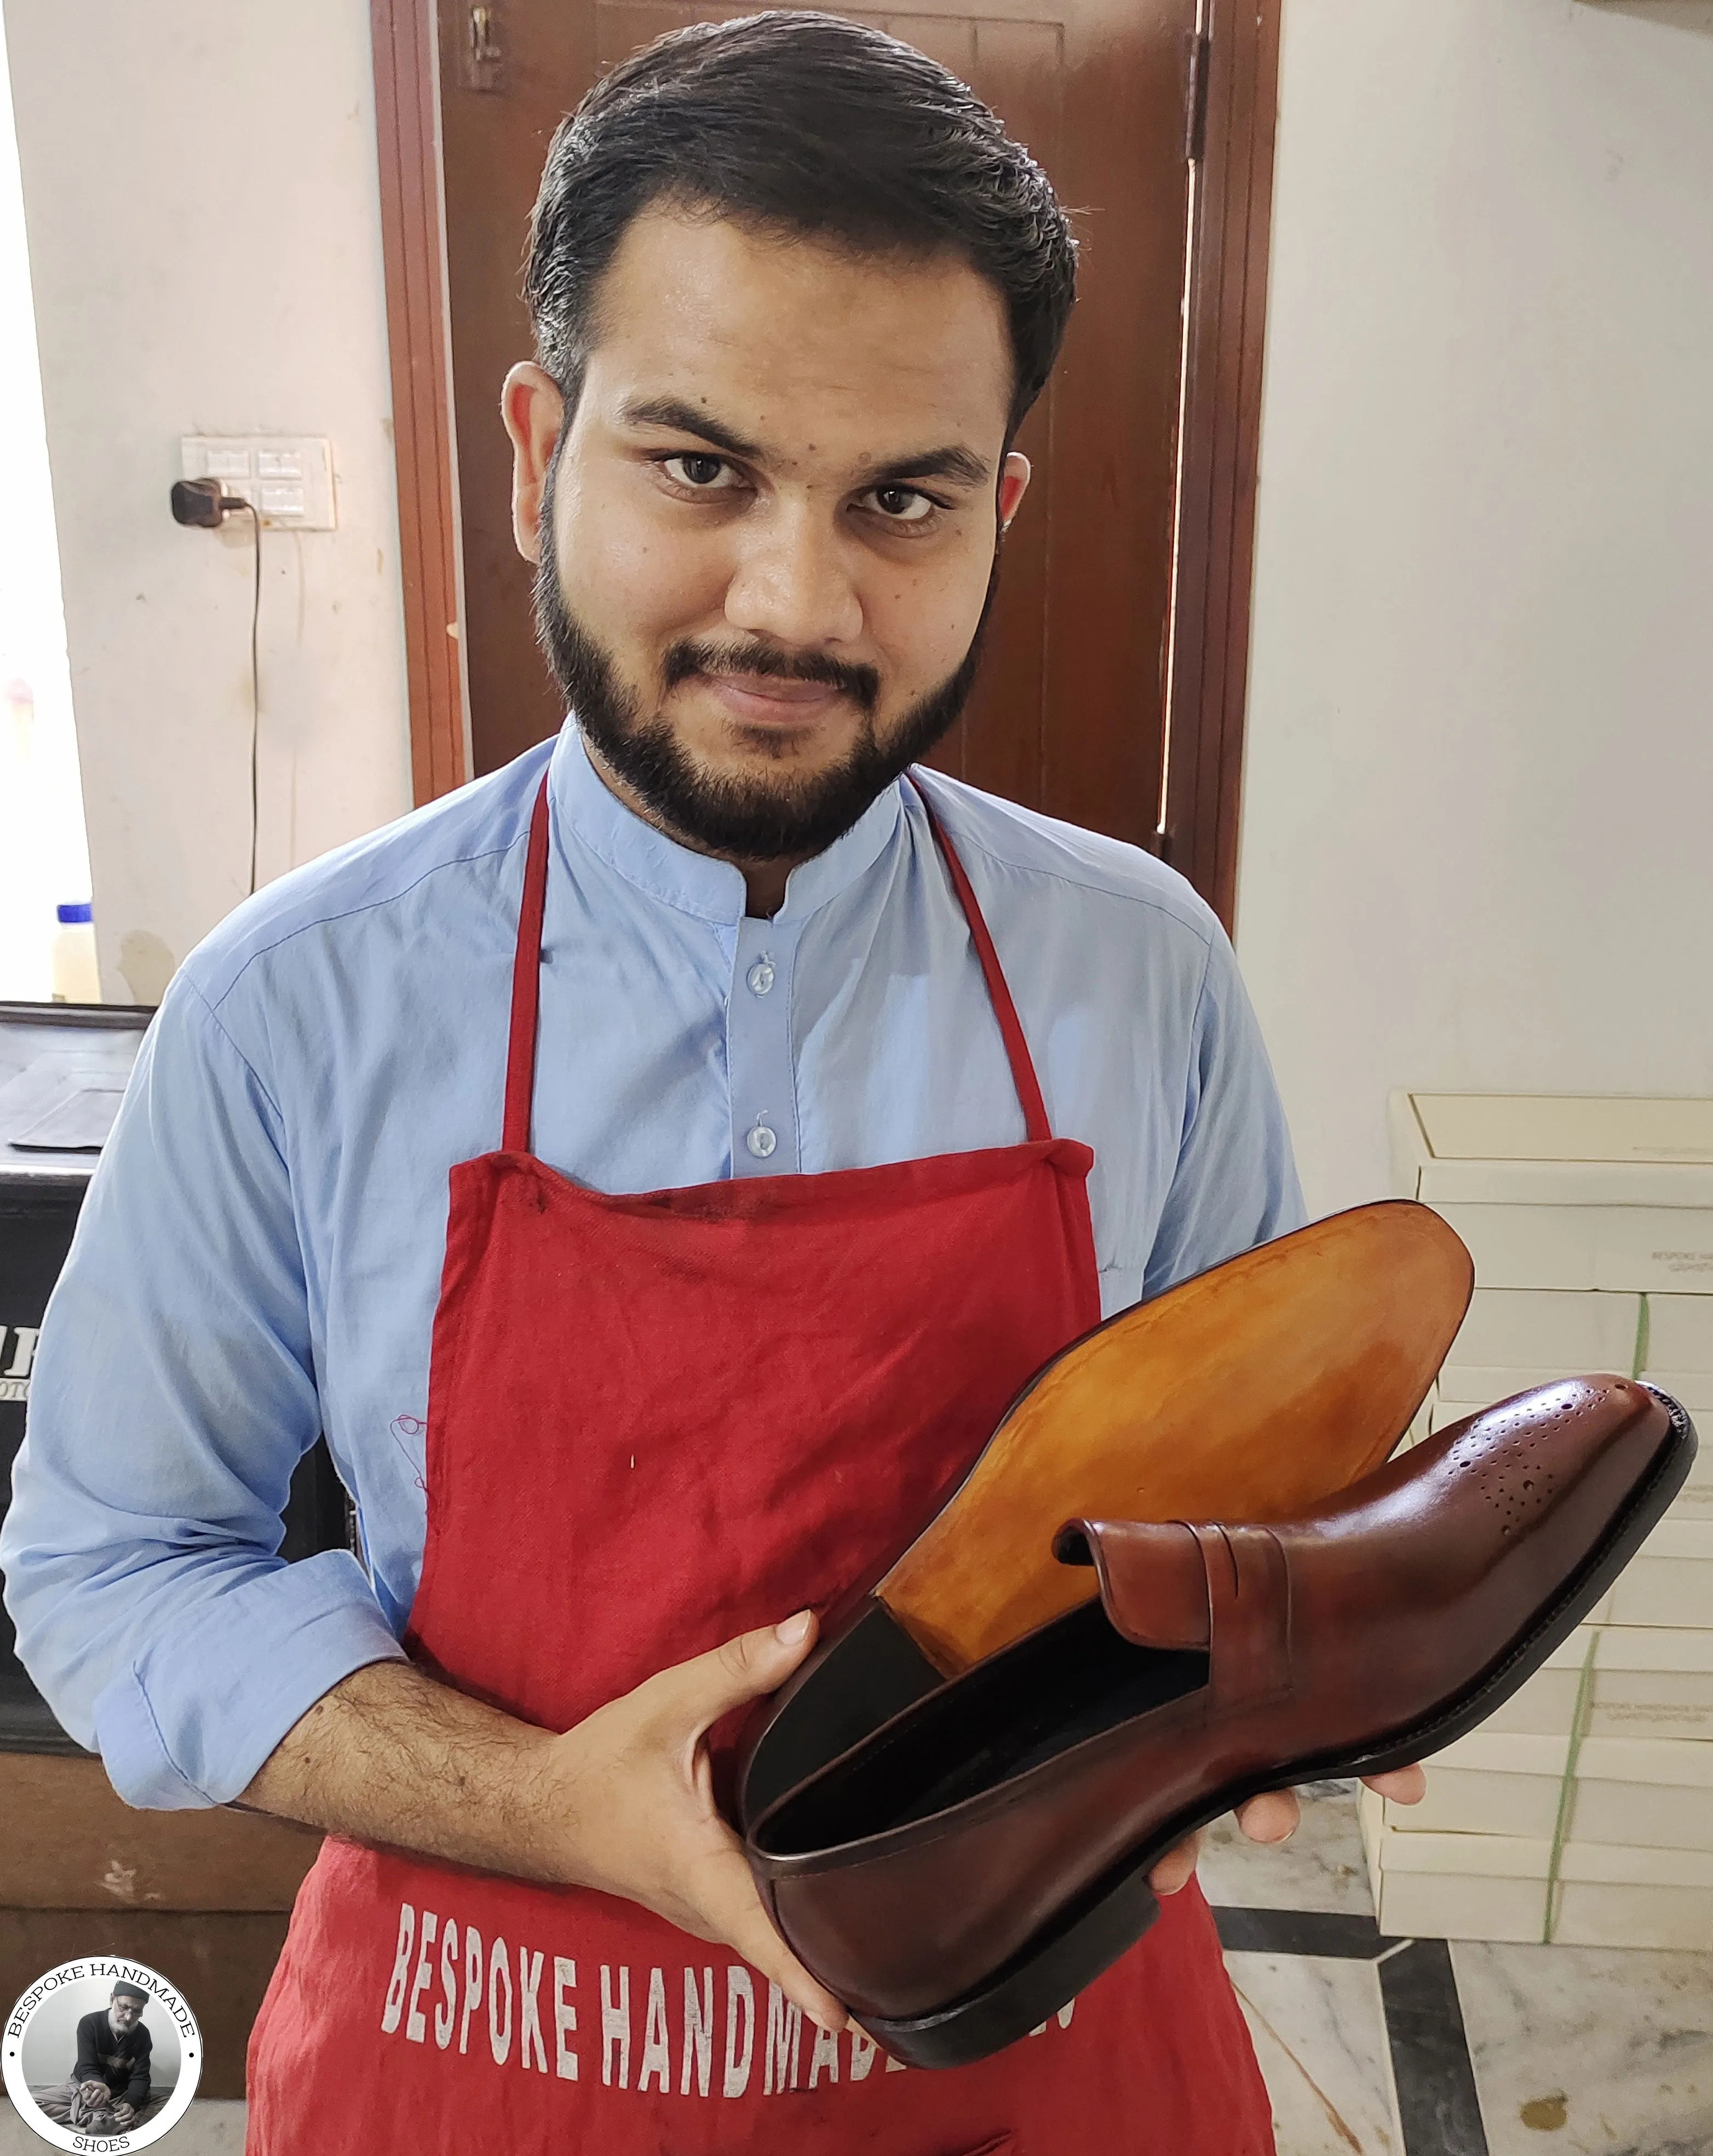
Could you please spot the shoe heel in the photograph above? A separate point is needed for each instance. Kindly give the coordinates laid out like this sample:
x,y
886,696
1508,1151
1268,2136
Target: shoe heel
x,y
1031,1988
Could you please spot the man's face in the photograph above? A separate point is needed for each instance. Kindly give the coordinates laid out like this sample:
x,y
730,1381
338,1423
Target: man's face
x,y
125,2012
768,536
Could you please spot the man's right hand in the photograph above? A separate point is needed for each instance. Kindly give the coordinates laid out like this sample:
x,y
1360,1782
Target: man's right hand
x,y
93,2092
638,1807
623,1802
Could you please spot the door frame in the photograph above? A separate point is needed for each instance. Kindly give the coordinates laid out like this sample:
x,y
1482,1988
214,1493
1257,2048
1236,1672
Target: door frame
x,y
1229,145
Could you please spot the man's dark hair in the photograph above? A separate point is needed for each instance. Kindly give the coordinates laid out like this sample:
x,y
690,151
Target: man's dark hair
x,y
804,124
129,1991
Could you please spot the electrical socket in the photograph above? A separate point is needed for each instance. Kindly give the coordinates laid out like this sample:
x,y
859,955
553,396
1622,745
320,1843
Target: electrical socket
x,y
288,478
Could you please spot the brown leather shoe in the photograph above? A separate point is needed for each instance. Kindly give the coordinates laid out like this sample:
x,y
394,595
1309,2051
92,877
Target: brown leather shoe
x,y
973,1863
1251,1392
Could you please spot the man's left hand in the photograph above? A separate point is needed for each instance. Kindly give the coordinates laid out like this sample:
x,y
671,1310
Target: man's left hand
x,y
1273,1816
122,2113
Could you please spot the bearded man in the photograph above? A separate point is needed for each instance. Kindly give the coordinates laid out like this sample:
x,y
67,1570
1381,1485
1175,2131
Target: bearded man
x,y
689,1125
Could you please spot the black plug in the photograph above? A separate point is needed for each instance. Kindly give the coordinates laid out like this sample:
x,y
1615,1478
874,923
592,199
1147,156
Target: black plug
x,y
204,502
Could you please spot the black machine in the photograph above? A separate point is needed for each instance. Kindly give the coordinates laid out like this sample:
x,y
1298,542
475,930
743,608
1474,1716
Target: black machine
x,y
62,1069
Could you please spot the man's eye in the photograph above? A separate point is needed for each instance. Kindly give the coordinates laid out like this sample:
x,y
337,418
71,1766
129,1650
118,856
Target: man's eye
x,y
902,505
702,473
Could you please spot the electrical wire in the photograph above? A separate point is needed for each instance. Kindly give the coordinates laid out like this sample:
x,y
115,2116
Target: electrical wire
x,y
255,686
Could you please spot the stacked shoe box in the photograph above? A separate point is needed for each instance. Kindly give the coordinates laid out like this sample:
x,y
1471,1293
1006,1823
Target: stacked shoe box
x,y
1582,1809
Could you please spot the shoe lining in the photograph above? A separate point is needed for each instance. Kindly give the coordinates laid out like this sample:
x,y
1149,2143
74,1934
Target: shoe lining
x,y
1072,1679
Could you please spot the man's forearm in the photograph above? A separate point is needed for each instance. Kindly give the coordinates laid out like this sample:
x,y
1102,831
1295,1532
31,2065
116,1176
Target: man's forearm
x,y
390,1756
622,1802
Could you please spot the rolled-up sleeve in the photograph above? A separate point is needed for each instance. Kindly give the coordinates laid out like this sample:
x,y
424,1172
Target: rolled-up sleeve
x,y
172,1395
1236,1182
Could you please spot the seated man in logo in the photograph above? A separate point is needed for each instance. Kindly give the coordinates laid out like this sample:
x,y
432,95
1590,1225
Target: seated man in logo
x,y
108,2088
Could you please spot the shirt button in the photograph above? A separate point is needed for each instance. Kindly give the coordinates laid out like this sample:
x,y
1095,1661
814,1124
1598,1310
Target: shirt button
x,y
760,977
761,1141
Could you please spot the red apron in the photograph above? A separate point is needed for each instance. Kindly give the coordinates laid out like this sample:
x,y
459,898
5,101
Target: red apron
x,y
654,1422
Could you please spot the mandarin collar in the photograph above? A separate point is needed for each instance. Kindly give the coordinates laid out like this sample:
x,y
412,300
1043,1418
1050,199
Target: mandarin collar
x,y
712,891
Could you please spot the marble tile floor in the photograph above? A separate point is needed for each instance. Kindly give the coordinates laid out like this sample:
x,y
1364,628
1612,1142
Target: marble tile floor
x,y
1373,2046
1383,2047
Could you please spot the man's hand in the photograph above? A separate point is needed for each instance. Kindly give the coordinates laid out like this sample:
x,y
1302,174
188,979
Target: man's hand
x,y
95,2092
122,2112
623,1802
1273,1817
639,1804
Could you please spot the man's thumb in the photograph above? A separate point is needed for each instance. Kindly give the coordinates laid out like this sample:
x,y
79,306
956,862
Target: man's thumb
x,y
743,1669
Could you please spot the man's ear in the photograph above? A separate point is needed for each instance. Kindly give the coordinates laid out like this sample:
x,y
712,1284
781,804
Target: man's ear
x,y
533,411
1014,481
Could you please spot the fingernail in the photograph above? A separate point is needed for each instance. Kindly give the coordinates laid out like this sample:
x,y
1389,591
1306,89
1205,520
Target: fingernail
x,y
793,1629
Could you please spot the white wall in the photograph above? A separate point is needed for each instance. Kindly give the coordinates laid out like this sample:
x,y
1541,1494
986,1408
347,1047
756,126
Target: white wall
x,y
1477,844
43,861
201,196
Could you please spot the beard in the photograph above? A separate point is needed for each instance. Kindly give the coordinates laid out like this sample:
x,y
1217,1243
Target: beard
x,y
792,817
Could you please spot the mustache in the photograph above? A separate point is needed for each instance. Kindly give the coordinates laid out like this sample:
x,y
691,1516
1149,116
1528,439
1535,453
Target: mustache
x,y
691,656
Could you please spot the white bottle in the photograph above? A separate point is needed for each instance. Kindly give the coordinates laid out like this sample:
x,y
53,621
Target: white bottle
x,y
71,957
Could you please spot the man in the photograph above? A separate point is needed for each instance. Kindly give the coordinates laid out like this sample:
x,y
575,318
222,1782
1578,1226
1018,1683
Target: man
x,y
792,1188
108,2088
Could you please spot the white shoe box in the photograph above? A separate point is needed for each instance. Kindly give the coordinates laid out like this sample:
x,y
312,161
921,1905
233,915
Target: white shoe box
x,y
1493,1887
1645,1682
1680,1348
1515,1338
1591,1224
1566,1193
1634,1792
1653,1249
1485,1146
1669,1583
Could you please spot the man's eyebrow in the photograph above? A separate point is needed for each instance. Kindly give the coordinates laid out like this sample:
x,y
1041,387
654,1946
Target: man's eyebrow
x,y
953,462
950,461
685,419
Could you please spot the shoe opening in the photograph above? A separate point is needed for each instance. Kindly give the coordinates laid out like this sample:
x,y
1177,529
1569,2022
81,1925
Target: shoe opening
x,y
1073,1679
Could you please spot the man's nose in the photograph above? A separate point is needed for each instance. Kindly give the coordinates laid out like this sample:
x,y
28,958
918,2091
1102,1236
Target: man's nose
x,y
794,581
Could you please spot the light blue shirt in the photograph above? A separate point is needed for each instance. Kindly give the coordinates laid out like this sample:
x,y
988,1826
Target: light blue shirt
x,y
259,1257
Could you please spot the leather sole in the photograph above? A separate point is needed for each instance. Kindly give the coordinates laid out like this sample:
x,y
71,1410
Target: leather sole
x,y
1252,1392
1110,1915
1318,1348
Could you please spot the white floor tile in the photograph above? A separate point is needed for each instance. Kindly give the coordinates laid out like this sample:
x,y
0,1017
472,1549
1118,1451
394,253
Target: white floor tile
x,y
1582,2052
1322,2041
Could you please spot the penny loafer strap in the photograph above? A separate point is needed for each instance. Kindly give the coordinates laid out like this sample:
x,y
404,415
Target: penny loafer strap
x,y
1180,1584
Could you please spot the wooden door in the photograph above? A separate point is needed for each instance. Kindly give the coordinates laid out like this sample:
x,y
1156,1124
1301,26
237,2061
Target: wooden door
x,y
1069,713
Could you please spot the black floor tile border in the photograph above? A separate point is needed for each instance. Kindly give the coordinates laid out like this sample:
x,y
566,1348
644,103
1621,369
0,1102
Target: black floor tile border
x,y
1437,2104
1319,1932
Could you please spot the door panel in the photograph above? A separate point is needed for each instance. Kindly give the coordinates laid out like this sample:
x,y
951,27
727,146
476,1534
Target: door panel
x,y
1068,715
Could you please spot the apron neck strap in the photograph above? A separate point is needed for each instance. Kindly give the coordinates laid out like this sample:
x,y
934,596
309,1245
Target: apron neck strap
x,y
526,983
1017,1049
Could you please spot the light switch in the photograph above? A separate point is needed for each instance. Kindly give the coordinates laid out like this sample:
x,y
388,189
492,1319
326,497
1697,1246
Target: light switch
x,y
287,477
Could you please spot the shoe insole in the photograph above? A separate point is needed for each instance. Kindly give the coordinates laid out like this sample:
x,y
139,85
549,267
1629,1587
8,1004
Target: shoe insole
x,y
1074,1681
1251,1393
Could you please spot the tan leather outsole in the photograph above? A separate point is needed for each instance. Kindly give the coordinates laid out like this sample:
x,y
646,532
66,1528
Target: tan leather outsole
x,y
1249,1394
